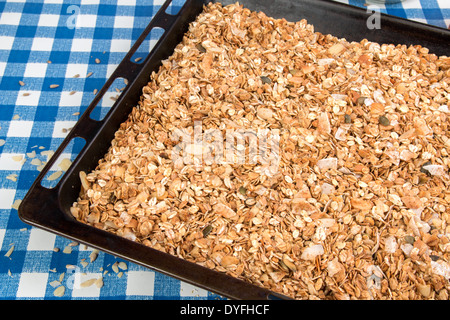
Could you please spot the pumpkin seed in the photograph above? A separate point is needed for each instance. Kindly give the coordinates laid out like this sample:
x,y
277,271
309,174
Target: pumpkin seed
x,y
384,121
265,79
207,230
243,190
434,257
410,239
361,100
347,118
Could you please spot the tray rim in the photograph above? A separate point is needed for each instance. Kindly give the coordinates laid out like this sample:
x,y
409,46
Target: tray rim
x,y
49,225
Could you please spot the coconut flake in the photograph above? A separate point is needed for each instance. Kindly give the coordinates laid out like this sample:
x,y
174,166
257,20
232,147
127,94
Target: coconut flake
x,y
129,235
327,222
443,108
312,252
324,126
407,155
327,163
407,248
435,169
378,96
10,251
338,96
327,188
441,268
390,244
394,155
334,267
341,134
325,61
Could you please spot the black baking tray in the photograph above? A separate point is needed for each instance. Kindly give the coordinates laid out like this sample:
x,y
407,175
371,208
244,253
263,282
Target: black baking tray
x,y
48,208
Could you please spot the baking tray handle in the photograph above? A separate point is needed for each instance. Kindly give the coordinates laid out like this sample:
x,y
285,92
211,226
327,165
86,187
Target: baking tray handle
x,y
129,69
86,127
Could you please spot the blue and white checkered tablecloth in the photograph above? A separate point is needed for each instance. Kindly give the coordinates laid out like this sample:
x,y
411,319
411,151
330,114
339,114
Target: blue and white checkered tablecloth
x,y
54,54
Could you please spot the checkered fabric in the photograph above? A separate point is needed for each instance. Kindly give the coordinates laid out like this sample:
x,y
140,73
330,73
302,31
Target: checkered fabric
x,y
433,12
53,56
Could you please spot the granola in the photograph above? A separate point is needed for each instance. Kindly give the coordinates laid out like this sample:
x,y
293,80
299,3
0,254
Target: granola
x,y
358,206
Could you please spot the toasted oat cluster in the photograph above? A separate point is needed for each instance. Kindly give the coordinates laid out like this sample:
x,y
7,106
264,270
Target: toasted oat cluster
x,y
353,204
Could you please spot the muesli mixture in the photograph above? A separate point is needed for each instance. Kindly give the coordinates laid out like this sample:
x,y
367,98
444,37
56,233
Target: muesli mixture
x,y
354,204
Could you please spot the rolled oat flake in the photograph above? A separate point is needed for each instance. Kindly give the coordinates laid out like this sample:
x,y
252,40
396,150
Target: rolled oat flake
x,y
384,121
